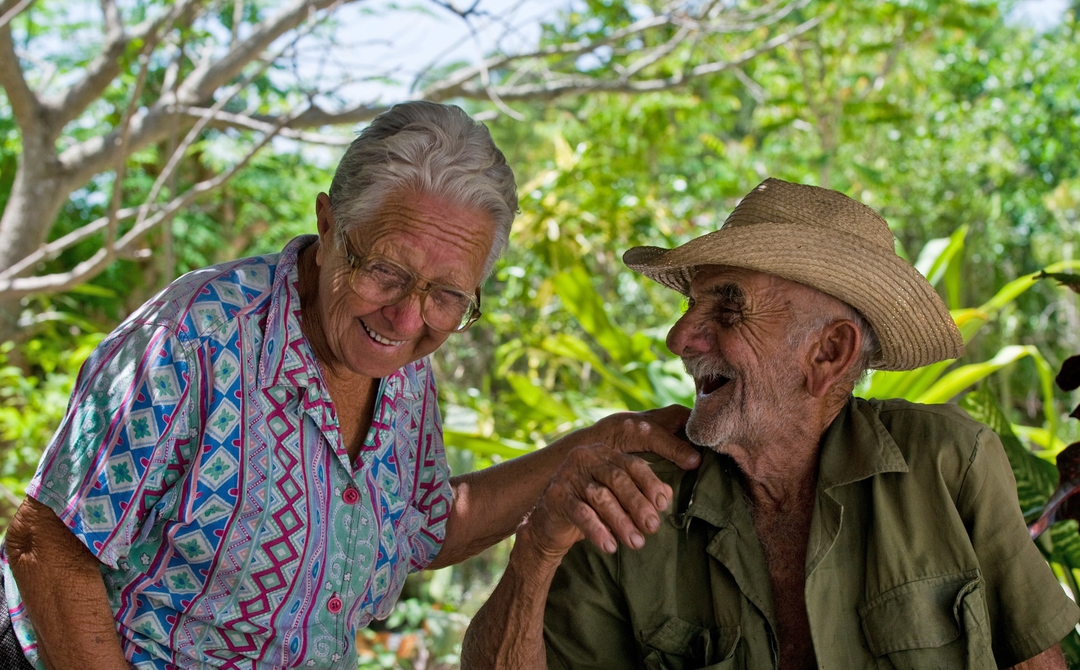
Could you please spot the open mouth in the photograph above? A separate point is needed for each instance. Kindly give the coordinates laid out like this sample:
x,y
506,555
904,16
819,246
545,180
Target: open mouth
x,y
709,383
379,338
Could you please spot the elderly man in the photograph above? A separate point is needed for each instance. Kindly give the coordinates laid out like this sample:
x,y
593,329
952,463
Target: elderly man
x,y
821,530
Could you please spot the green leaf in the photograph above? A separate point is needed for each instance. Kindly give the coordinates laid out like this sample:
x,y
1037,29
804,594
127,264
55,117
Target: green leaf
x,y
964,376
581,299
538,398
485,446
937,255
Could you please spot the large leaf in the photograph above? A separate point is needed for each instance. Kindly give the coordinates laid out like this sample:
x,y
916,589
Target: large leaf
x,y
578,295
539,398
964,376
938,254
485,446
1035,478
635,395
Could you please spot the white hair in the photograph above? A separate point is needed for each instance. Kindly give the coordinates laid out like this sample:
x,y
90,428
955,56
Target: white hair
x,y
810,319
425,148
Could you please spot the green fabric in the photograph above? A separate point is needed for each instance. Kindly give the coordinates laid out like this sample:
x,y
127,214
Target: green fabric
x,y
918,558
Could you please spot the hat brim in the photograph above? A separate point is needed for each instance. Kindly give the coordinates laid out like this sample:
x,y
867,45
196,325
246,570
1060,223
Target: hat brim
x,y
911,321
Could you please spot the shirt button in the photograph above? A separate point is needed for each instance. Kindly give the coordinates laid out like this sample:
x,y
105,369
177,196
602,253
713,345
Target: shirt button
x,y
350,495
334,604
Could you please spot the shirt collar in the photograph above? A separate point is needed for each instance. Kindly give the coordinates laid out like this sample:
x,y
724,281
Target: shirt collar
x,y
855,446
287,359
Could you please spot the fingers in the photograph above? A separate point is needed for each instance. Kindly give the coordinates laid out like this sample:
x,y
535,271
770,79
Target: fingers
x,y
604,496
655,431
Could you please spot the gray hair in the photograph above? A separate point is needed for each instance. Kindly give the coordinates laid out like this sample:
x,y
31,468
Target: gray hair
x,y
425,148
808,322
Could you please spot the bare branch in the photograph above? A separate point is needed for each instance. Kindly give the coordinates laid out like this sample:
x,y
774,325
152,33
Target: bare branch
x,y
237,17
14,11
14,288
107,65
114,23
548,90
224,119
25,105
208,77
49,251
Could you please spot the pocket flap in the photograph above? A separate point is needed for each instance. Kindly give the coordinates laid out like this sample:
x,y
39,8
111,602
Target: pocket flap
x,y
916,615
683,639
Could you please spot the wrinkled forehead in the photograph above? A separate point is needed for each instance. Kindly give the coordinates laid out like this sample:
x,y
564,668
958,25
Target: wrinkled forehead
x,y
707,278
745,286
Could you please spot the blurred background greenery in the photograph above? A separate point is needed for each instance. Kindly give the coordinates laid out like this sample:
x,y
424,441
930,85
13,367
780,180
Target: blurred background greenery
x,y
956,120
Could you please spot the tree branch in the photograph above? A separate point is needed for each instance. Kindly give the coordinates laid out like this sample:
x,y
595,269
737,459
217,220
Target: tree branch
x,y
101,72
25,105
549,90
209,76
14,288
226,120
10,14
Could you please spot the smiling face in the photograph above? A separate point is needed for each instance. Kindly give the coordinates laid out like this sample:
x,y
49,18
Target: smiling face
x,y
734,342
439,241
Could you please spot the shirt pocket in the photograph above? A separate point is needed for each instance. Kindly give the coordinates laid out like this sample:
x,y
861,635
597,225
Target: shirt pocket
x,y
939,622
681,645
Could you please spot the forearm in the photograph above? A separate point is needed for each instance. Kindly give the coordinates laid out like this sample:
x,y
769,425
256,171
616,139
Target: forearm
x,y
508,631
490,503
63,592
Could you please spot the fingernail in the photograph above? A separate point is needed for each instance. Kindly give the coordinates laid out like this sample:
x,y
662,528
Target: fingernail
x,y
610,546
652,523
694,460
661,502
637,541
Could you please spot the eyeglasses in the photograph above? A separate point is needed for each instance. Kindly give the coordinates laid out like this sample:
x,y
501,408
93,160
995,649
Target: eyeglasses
x,y
379,280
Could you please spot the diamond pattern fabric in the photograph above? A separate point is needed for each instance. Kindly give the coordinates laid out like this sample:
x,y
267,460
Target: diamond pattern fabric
x,y
201,461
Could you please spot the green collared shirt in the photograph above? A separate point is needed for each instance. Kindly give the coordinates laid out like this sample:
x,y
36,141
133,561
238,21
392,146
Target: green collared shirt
x,y
918,557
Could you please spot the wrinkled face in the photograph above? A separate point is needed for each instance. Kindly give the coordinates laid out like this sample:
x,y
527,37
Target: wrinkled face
x,y
733,341
440,242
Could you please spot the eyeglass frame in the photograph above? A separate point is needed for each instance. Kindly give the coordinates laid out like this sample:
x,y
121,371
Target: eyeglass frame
x,y
356,261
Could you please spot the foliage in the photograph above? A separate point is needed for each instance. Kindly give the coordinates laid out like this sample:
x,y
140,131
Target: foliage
x,y
961,128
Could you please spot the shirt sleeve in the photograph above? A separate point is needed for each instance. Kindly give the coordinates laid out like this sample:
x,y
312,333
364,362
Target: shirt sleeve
x,y
586,621
1029,610
432,495
123,442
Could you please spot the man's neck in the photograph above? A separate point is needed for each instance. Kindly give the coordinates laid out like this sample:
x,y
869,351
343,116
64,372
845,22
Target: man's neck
x,y
781,471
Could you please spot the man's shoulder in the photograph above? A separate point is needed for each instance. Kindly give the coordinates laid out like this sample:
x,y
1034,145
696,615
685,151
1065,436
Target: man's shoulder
x,y
944,435
903,418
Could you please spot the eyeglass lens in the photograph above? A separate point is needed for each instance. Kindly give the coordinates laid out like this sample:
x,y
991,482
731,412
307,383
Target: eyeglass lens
x,y
383,282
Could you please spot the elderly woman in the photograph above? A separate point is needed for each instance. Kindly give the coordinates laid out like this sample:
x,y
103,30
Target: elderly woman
x,y
252,462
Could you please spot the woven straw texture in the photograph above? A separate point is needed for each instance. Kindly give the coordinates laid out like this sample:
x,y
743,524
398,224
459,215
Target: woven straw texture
x,y
825,240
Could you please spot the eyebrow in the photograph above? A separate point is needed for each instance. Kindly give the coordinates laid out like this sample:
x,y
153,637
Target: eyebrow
x,y
732,293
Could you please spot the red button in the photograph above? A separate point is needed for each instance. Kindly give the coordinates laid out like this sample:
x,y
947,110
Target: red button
x,y
350,495
334,604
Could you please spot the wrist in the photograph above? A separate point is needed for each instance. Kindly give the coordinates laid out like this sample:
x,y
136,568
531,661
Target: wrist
x,y
537,553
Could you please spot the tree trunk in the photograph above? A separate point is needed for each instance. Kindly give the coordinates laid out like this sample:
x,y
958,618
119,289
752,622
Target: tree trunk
x,y
37,195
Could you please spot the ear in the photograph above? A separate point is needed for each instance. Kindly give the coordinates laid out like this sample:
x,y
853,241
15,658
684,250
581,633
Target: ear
x,y
324,217
831,355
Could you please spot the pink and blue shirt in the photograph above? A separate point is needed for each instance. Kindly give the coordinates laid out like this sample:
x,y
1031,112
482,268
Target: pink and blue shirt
x,y
201,461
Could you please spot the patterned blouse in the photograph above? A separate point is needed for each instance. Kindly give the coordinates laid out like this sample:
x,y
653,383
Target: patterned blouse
x,y
201,461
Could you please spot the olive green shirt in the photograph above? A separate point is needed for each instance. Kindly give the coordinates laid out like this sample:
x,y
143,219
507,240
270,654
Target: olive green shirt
x,y
918,557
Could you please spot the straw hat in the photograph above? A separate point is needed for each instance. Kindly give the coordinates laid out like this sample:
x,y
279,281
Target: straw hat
x,y
825,240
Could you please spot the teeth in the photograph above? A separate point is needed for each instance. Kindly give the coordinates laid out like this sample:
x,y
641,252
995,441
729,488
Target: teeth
x,y
379,338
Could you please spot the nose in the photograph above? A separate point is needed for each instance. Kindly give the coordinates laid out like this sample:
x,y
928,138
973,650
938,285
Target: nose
x,y
689,336
405,316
